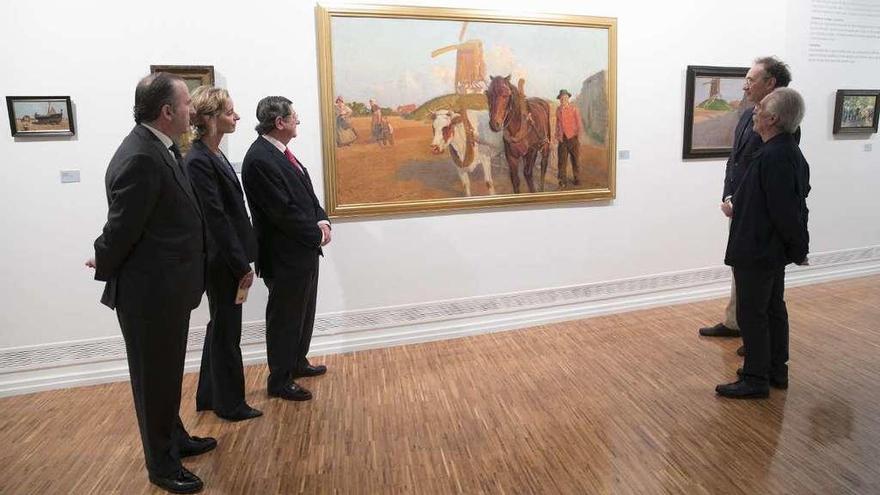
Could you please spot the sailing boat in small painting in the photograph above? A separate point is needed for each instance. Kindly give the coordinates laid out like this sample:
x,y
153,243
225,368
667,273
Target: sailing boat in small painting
x,y
51,116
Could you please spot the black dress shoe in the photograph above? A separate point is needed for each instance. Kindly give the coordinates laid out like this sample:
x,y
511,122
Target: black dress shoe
x,y
196,446
310,371
777,380
741,351
742,389
291,392
242,413
183,482
719,330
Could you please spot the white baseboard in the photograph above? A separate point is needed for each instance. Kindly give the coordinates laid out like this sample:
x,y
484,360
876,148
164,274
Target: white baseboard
x,y
87,362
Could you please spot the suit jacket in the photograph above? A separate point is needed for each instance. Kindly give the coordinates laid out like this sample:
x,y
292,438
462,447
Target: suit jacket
x,y
231,239
152,249
769,224
745,144
285,210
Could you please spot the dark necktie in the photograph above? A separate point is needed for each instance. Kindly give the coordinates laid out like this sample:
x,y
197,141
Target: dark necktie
x,y
177,156
292,159
176,152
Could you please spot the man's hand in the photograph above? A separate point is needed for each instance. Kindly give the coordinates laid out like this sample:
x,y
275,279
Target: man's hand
x,y
727,208
247,281
325,229
91,263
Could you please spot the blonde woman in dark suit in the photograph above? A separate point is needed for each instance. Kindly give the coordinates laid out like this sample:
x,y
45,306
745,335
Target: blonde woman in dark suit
x,y
232,246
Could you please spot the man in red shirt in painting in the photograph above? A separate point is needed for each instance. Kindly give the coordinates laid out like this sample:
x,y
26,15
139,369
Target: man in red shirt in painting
x,y
568,127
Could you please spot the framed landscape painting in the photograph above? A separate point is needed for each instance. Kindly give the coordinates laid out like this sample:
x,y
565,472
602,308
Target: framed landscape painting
x,y
427,109
40,116
856,111
714,101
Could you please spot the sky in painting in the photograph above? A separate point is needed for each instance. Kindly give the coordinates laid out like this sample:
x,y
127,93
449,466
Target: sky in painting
x,y
23,108
390,59
731,89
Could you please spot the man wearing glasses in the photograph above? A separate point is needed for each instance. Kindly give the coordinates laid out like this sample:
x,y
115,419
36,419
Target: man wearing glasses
x,y
291,228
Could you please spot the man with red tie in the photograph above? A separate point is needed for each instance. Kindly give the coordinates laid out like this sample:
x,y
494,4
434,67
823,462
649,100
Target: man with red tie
x,y
291,228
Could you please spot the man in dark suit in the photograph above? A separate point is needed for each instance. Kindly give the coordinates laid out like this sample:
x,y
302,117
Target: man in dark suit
x,y
291,229
768,230
152,255
765,75
232,246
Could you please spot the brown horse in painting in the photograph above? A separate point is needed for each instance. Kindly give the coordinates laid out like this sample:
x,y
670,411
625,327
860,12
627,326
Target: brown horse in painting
x,y
526,125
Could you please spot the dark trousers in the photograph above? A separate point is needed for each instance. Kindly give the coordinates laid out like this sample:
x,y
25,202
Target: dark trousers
x,y
763,321
221,378
568,147
156,347
290,319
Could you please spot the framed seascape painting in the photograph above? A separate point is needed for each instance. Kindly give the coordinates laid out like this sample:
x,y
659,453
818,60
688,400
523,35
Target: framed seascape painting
x,y
856,111
427,109
714,101
40,116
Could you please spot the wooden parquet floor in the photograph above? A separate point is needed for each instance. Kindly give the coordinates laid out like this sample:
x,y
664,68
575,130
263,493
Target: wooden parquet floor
x,y
616,404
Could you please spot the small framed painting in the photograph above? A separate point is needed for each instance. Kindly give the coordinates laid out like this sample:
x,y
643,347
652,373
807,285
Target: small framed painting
x,y
40,115
193,75
714,101
856,111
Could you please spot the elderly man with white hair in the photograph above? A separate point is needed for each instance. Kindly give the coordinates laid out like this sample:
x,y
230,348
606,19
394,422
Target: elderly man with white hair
x,y
768,230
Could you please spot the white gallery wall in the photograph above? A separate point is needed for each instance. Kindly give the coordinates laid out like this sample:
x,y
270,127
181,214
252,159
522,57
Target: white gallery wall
x,y
394,279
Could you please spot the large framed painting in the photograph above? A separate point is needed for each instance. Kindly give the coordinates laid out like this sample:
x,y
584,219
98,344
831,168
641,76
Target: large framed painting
x,y
429,109
856,111
714,101
40,116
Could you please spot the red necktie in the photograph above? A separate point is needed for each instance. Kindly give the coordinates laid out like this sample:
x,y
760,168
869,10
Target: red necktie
x,y
292,159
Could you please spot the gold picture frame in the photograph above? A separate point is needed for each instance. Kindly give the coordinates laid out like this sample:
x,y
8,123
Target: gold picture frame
x,y
409,126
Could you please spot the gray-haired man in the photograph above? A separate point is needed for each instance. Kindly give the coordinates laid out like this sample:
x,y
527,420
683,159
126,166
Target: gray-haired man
x,y
768,230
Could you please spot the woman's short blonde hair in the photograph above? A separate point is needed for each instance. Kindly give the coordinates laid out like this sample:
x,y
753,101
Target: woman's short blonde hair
x,y
207,101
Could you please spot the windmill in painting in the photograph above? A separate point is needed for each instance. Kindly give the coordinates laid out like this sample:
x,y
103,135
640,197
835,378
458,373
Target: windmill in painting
x,y
470,67
715,100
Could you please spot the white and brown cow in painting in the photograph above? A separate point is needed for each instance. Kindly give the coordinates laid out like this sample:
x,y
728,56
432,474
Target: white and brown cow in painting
x,y
470,142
